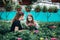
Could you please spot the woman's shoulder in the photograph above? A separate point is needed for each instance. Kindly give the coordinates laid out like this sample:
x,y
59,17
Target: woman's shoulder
x,y
16,21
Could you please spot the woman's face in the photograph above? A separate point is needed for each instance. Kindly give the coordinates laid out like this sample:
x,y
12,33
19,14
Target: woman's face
x,y
29,18
21,18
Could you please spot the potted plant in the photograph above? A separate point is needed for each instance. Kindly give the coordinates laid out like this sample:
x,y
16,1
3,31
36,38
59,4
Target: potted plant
x,y
8,7
18,8
50,9
28,8
44,9
55,9
41,38
37,8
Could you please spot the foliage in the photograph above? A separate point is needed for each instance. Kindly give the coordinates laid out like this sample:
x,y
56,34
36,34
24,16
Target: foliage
x,y
8,7
28,8
53,9
50,9
4,27
43,32
37,8
44,9
17,6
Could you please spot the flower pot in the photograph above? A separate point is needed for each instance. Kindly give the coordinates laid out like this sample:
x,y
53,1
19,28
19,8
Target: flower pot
x,y
28,8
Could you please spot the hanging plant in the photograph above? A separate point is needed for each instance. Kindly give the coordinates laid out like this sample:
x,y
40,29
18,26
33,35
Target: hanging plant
x,y
50,9
55,9
8,7
28,8
44,9
18,8
41,38
37,8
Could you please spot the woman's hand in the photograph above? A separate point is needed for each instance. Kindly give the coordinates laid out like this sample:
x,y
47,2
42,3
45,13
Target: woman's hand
x,y
31,24
16,28
21,30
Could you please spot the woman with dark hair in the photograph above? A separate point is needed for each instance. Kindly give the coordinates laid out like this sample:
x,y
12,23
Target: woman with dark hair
x,y
16,25
16,22
30,22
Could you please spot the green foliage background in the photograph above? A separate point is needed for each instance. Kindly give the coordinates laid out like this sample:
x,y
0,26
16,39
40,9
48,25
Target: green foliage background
x,y
44,31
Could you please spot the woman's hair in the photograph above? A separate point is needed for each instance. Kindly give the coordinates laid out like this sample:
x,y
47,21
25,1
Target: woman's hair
x,y
18,15
32,21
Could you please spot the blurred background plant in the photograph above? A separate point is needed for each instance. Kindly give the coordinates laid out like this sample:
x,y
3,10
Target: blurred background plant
x,y
53,9
37,8
28,8
44,9
48,30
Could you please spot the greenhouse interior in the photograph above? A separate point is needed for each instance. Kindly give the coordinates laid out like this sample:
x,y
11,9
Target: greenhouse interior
x,y
29,19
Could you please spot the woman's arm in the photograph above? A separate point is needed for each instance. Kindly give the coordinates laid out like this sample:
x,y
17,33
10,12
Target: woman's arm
x,y
16,25
36,24
16,28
